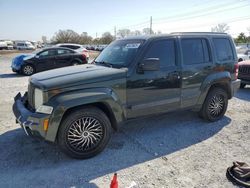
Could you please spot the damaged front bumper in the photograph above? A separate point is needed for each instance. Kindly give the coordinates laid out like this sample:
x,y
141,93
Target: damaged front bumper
x,y
30,121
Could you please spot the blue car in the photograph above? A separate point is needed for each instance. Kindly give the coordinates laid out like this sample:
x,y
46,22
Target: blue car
x,y
46,59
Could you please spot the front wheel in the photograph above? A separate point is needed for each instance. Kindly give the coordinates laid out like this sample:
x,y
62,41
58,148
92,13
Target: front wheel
x,y
28,70
84,133
215,105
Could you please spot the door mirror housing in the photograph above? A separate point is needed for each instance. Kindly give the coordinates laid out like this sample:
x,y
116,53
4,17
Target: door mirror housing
x,y
37,56
149,64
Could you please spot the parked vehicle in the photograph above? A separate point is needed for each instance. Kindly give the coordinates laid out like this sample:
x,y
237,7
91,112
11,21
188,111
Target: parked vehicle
x,y
243,53
78,107
24,46
3,45
244,73
46,59
77,47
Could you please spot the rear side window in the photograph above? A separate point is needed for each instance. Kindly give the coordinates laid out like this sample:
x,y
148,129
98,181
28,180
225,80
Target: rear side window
x,y
195,51
223,49
70,46
164,50
63,51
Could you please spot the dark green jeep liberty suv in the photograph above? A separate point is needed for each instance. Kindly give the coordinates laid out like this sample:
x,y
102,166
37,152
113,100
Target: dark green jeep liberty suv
x,y
77,107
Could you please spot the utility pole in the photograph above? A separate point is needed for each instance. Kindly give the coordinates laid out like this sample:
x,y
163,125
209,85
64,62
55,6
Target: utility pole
x,y
115,32
96,35
150,25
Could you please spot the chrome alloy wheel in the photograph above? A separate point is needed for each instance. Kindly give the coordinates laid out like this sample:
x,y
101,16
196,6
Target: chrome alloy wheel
x,y
216,105
28,70
85,134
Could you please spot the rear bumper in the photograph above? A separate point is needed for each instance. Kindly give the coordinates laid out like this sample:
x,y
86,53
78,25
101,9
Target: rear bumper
x,y
235,85
31,122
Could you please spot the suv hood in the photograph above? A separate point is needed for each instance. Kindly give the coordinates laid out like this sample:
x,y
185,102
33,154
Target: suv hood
x,y
75,76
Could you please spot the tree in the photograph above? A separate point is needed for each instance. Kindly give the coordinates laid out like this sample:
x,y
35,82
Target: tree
x,y
221,28
106,38
85,39
66,36
242,38
123,32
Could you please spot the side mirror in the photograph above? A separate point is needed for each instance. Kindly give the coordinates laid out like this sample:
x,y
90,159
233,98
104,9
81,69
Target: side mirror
x,y
37,56
149,64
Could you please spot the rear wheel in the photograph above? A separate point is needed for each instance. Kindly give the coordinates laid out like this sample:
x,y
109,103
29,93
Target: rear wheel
x,y
28,70
215,105
84,133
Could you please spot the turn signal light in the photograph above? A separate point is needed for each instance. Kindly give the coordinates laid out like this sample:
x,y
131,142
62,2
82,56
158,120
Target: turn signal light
x,y
45,124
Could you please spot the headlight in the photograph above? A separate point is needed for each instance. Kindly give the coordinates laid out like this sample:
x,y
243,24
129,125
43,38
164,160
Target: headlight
x,y
38,97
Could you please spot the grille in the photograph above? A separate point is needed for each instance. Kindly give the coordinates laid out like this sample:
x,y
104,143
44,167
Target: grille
x,y
244,69
31,90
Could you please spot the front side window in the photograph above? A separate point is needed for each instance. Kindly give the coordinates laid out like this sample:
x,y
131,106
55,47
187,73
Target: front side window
x,y
195,51
223,49
47,53
44,54
164,50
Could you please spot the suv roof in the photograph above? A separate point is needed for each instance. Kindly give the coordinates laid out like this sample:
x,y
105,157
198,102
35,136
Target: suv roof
x,y
146,37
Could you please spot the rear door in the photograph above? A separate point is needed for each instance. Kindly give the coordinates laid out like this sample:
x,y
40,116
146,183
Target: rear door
x,y
158,91
63,58
196,66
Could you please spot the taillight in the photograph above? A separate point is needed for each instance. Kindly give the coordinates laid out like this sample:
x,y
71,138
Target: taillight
x,y
236,70
85,51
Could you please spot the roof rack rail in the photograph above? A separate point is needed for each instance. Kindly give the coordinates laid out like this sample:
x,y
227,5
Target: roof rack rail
x,y
198,33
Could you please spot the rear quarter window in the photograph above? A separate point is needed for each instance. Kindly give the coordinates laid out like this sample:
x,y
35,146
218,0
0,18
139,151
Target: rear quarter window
x,y
223,48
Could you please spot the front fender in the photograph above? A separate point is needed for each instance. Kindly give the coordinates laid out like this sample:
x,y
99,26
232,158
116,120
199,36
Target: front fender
x,y
65,101
216,78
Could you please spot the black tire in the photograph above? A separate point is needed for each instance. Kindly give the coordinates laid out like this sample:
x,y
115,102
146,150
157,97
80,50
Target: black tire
x,y
242,86
215,105
81,143
28,70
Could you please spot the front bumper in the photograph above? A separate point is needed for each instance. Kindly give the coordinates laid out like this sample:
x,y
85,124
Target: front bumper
x,y
235,86
31,122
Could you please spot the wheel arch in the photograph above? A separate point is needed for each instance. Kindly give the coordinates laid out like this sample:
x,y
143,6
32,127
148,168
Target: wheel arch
x,y
64,106
221,80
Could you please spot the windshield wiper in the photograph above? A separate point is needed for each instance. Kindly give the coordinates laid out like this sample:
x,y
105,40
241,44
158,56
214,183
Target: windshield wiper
x,y
103,63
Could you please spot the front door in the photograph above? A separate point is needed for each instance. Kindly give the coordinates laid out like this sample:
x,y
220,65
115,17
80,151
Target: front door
x,y
158,91
46,60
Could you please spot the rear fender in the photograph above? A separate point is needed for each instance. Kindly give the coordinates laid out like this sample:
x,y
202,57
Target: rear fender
x,y
222,79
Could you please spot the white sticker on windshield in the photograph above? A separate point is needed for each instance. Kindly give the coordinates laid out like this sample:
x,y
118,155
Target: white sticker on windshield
x,y
132,45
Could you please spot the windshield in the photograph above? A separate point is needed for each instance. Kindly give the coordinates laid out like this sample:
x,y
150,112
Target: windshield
x,y
119,53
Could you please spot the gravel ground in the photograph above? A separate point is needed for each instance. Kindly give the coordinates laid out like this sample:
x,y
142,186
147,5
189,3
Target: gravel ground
x,y
172,150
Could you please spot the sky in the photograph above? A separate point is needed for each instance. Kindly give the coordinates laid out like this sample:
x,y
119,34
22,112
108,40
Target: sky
x,y
32,19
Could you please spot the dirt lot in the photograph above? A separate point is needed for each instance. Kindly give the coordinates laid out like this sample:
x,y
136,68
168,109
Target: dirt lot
x,y
172,150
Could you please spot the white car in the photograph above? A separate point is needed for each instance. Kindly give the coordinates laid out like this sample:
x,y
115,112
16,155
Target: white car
x,y
243,53
25,46
76,47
